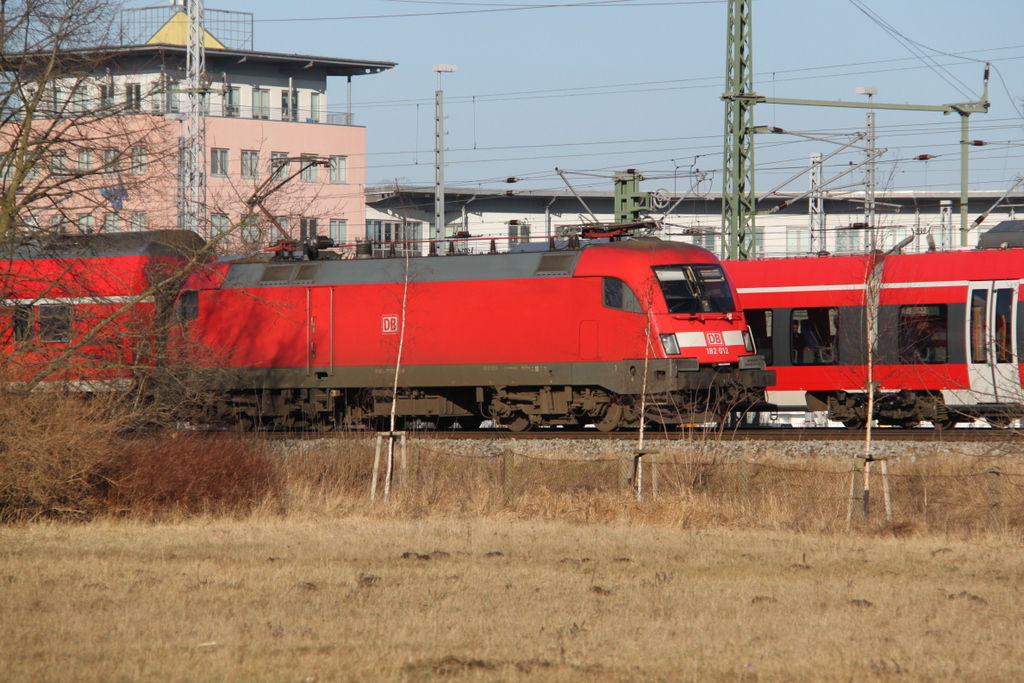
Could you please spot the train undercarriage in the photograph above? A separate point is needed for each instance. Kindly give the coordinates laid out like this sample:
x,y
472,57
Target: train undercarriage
x,y
515,408
907,409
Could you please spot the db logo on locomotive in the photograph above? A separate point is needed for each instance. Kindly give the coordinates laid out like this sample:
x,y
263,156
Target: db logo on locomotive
x,y
389,324
714,338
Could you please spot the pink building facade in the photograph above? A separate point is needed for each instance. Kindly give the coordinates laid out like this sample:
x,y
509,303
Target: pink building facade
x,y
266,117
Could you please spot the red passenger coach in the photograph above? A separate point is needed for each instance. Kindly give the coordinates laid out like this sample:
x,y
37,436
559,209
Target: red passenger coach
x,y
538,338
948,336
82,311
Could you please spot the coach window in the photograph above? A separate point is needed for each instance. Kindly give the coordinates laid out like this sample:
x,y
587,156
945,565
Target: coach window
x,y
815,331
55,323
619,296
923,335
979,325
760,322
22,323
1004,332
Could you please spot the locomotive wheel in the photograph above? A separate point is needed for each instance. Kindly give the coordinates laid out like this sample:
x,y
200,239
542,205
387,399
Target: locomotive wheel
x,y
998,421
611,420
855,423
944,424
519,423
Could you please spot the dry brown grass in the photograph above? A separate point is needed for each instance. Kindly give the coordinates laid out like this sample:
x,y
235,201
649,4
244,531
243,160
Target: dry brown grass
x,y
499,599
219,558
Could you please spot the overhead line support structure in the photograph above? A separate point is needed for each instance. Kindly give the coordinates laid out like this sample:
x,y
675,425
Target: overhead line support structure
x,y
738,199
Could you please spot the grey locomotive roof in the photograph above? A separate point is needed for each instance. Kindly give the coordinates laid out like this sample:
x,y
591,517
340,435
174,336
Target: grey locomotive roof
x,y
393,270
150,243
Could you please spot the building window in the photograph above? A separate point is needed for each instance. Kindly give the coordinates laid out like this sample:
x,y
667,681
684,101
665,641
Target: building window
x,y
220,224
112,223
250,228
173,97
7,170
283,222
307,228
250,163
309,169
86,223
59,163
55,323
339,230
138,157
218,162
798,241
847,241
57,224
133,96
289,105
517,231
314,107
79,101
106,96
260,103
231,102
55,101
815,335
279,165
84,160
137,221
339,169
110,160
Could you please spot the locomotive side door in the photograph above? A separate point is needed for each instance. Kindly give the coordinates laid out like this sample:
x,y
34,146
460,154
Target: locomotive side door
x,y
319,330
992,363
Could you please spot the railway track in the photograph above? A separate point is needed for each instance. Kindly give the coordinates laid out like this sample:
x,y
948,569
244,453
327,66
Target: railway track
x,y
816,434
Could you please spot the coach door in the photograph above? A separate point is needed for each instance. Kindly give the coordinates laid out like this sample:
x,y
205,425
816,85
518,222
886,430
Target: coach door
x,y
991,359
320,330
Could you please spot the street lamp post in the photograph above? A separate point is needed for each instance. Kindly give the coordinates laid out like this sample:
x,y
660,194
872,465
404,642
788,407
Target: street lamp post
x,y
439,223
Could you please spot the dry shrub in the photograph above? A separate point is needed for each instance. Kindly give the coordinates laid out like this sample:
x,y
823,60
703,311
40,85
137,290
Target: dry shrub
x,y
176,472
55,449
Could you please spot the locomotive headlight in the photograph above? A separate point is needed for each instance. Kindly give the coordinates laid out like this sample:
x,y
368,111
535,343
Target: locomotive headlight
x,y
748,341
670,344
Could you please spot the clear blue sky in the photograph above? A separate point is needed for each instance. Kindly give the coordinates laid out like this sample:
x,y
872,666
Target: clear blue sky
x,y
604,86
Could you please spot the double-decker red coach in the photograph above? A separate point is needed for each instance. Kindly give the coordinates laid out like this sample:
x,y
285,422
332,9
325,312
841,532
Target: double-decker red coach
x,y
538,338
948,332
86,312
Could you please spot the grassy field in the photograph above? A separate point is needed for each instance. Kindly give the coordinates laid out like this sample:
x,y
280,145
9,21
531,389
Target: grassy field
x,y
276,597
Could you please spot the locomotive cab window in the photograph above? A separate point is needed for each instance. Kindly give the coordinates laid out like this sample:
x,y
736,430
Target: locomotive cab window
x,y
815,333
922,334
695,289
760,322
55,323
618,295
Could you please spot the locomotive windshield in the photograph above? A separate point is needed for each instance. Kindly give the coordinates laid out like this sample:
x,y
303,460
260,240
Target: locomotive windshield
x,y
691,289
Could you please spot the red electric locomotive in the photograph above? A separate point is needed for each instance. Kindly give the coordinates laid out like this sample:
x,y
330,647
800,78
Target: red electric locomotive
x,y
947,332
539,338
82,312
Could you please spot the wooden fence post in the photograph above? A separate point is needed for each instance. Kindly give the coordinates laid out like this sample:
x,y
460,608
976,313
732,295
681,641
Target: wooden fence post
x,y
625,471
993,500
508,476
857,499
743,479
